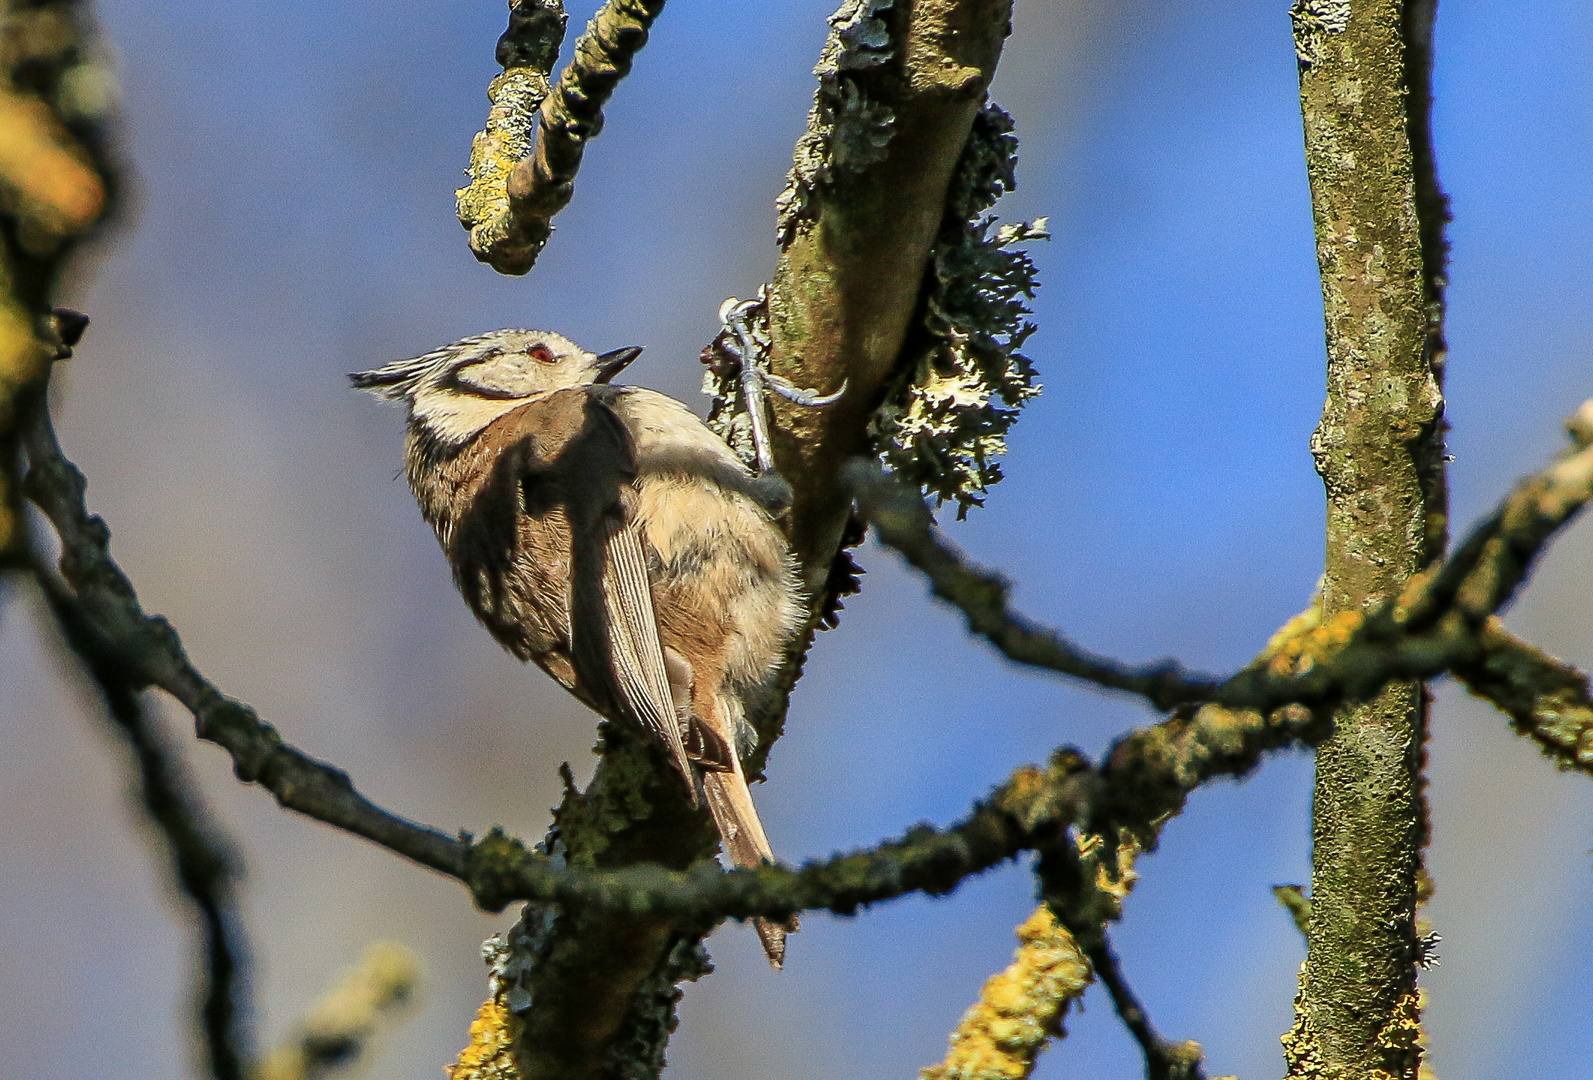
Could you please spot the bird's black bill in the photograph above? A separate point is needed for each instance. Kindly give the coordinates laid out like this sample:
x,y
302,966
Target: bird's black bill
x,y
610,364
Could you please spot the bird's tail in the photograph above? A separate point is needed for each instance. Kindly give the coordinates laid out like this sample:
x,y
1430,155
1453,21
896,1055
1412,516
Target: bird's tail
x,y
745,843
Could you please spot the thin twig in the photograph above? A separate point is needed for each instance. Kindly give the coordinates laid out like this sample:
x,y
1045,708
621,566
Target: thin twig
x,y
1434,626
203,866
1163,1060
146,651
903,521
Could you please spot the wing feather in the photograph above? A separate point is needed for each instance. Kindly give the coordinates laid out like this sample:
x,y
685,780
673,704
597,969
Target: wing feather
x,y
635,655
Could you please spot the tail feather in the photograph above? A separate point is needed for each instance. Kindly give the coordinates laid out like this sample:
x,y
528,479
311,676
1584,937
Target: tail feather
x,y
746,844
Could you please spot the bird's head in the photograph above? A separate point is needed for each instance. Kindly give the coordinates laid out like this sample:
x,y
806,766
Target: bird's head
x,y
454,392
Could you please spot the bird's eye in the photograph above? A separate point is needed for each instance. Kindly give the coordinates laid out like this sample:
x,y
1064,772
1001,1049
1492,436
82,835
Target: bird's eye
x,y
542,353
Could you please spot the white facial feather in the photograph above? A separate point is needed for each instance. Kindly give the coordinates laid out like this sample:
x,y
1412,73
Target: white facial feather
x,y
458,390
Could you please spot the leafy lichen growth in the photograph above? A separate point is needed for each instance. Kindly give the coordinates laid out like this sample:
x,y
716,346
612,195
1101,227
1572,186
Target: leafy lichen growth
x,y
847,130
944,421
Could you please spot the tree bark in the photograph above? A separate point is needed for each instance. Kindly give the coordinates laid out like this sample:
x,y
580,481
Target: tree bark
x,y
1357,1013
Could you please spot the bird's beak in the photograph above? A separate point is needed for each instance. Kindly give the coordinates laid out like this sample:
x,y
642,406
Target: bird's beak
x,y
611,364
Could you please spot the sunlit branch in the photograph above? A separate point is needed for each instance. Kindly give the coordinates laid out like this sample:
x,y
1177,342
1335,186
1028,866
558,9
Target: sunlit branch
x,y
539,185
1020,1008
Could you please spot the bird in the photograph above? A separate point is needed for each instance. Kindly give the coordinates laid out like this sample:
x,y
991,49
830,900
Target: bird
x,y
604,533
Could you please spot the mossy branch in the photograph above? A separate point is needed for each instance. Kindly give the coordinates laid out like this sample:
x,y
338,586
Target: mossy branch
x,y
1546,699
527,52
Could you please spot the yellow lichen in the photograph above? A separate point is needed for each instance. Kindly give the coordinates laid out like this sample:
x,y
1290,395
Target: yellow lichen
x,y
341,1026
491,1035
1020,1008
1306,640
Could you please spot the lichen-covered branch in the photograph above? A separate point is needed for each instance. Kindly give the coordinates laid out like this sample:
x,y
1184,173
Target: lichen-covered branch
x,y
1434,624
900,86
527,52
1546,699
1020,1009
202,862
1377,447
340,1028
537,181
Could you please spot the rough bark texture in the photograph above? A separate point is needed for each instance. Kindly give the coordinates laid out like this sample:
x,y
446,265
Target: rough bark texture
x,y
596,989
1357,1012
848,282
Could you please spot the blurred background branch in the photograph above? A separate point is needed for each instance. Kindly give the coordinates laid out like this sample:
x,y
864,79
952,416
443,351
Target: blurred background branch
x,y
336,1035
203,864
58,185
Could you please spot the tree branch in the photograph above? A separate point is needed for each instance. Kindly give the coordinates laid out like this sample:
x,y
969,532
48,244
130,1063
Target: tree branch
x,y
1546,699
1379,450
902,521
61,184
145,651
1142,775
1163,1060
1435,624
527,52
202,863
899,88
541,183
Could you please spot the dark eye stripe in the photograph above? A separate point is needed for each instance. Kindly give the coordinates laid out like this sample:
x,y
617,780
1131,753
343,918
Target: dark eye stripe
x,y
457,384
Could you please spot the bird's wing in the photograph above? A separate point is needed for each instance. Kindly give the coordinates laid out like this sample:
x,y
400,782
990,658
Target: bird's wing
x,y
613,627
634,652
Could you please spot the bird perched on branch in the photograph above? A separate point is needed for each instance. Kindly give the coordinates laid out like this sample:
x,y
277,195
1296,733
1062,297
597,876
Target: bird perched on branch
x,y
606,534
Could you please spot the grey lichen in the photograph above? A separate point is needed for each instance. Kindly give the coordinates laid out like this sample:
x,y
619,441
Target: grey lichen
x,y
847,131
1313,20
512,956
944,421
